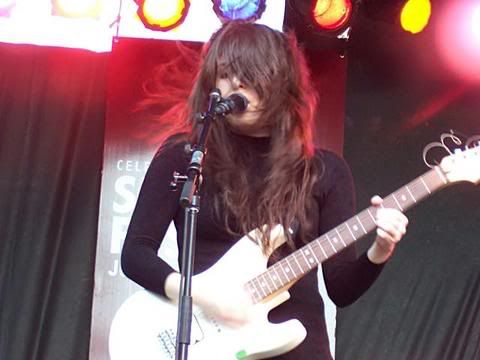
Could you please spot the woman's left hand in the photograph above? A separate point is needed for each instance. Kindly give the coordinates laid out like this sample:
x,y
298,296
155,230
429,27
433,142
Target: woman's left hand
x,y
391,226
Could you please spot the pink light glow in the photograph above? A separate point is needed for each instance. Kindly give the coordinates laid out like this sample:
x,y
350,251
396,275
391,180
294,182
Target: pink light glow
x,y
476,24
458,39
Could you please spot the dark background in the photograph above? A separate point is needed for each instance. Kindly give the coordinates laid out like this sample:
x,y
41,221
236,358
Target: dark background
x,y
399,98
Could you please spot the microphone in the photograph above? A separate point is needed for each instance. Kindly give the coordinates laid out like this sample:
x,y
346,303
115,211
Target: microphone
x,y
235,103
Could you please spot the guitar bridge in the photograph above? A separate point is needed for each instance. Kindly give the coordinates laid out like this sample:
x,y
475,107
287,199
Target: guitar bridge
x,y
168,338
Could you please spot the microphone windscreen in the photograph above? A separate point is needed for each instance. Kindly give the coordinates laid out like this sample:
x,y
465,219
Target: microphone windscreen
x,y
239,101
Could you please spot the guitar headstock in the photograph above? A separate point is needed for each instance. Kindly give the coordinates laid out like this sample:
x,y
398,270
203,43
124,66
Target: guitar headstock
x,y
462,165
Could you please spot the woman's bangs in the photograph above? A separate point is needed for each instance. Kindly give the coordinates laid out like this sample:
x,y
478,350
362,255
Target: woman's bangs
x,y
240,59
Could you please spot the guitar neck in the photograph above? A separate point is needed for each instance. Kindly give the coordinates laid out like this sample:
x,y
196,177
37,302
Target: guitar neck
x,y
293,267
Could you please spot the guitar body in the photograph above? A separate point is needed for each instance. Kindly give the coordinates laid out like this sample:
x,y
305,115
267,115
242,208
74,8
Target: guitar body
x,y
144,327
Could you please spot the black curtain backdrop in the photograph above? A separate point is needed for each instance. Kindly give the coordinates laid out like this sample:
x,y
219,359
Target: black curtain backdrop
x,y
52,104
401,97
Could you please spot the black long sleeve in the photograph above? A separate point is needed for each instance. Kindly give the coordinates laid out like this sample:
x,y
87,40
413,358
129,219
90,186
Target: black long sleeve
x,y
155,209
346,276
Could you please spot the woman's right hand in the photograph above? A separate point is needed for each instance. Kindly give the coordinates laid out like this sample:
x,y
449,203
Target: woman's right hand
x,y
224,300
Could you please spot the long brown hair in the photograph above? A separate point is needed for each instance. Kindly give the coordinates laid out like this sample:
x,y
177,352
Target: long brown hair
x,y
271,63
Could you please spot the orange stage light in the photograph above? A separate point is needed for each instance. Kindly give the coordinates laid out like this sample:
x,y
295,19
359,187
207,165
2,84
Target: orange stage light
x,y
332,14
163,15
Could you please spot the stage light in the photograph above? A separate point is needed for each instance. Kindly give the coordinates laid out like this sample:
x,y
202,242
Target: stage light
x,y
77,9
162,15
6,7
458,38
248,10
415,15
476,24
332,14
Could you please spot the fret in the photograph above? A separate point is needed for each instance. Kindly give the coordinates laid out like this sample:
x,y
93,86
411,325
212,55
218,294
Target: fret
x,y
388,202
280,265
413,197
395,198
259,285
366,221
319,255
252,291
265,283
425,184
348,227
285,278
313,253
256,297
271,277
373,219
402,197
331,244
307,261
419,190
361,224
287,269
277,282
340,236
371,223
321,248
303,260
440,174
277,276
296,261
353,224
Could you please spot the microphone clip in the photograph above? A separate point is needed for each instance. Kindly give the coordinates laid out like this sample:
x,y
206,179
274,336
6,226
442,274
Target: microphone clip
x,y
213,99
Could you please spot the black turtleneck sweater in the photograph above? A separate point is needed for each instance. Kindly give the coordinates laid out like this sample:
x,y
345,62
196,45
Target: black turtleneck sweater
x,y
346,276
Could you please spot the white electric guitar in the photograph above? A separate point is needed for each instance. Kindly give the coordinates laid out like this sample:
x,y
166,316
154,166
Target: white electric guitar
x,y
144,328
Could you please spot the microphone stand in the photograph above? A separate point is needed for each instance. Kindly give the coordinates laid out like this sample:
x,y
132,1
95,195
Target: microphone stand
x,y
190,201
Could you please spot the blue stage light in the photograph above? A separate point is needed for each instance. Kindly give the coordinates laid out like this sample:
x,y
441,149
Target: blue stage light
x,y
249,10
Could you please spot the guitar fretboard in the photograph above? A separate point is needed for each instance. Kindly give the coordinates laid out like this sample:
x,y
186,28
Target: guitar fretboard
x,y
293,267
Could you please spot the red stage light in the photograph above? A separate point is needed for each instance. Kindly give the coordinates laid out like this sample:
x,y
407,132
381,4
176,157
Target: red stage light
x,y
332,14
